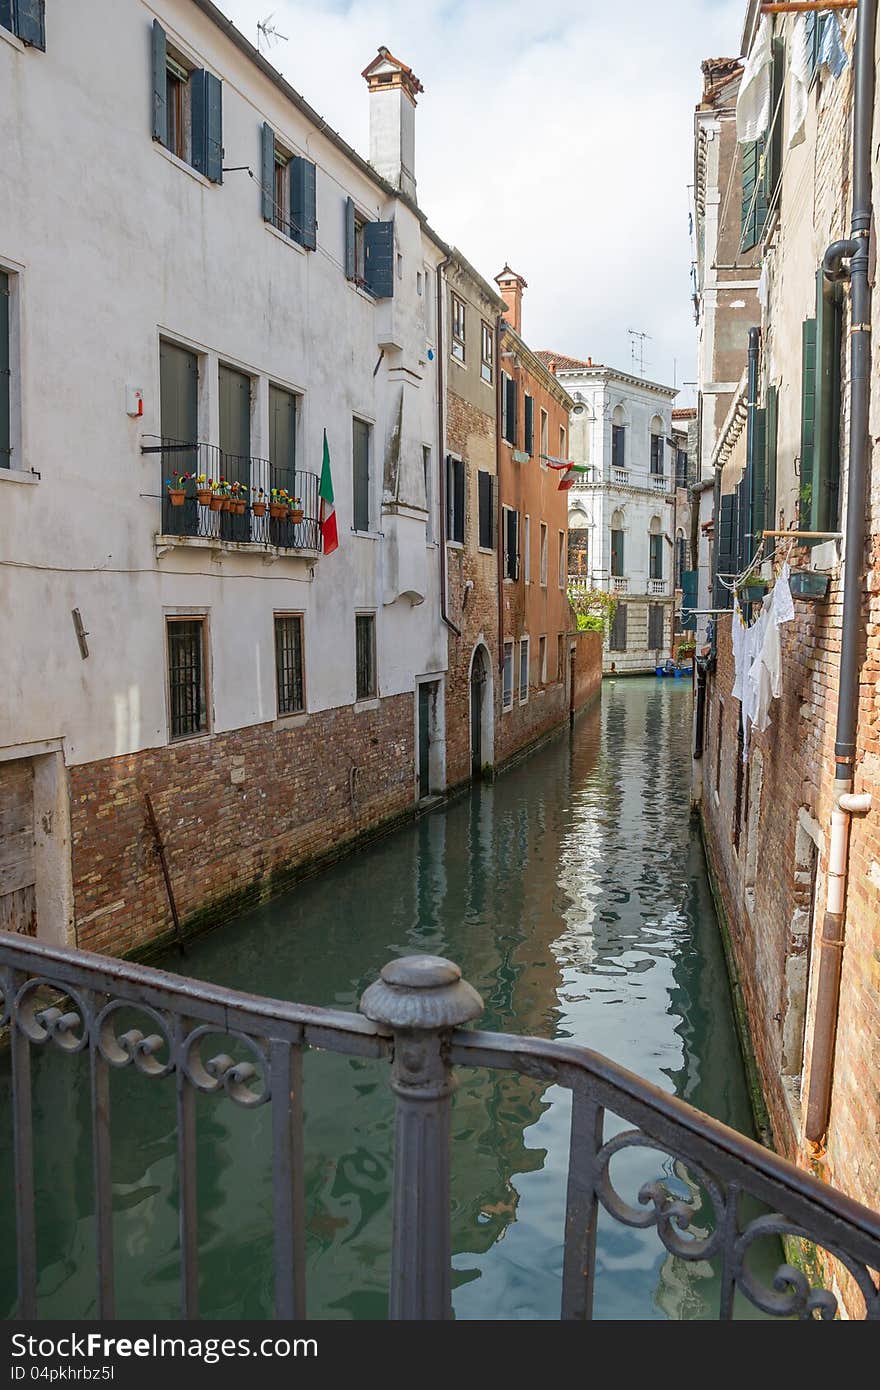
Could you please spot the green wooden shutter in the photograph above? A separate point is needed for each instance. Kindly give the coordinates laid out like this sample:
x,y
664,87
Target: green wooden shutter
x,y
160,84
758,482
529,417
773,149
31,22
302,203
379,259
808,421
688,600
7,18
754,196
723,546
5,375
510,410
826,451
350,262
770,434
267,173
207,124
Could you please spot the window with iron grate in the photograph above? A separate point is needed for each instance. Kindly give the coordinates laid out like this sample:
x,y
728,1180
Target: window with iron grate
x,y
187,694
289,683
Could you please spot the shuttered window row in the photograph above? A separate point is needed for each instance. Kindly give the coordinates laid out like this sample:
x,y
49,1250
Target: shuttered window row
x,y
287,191
26,19
455,499
761,167
187,110
487,501
821,348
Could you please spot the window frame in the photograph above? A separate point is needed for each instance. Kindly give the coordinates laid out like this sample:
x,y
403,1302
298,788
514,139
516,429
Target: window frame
x,y
458,328
562,561
487,359
510,558
543,562
542,659
355,516
507,674
200,619
527,549
298,617
456,493
486,512
545,437
524,655
361,615
428,472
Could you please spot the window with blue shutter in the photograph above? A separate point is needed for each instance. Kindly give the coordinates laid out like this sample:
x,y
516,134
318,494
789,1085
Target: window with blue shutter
x,y
267,173
618,446
529,423
808,421
160,82
27,19
7,18
207,124
725,565
379,259
758,483
688,600
350,234
5,375
303,208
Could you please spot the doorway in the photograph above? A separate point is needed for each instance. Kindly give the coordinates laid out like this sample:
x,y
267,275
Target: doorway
x,y
430,739
481,714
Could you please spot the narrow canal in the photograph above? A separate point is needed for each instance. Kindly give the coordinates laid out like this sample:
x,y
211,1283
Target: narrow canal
x,y
573,893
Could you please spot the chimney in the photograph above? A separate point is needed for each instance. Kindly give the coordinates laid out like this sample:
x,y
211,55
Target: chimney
x,y
393,88
510,287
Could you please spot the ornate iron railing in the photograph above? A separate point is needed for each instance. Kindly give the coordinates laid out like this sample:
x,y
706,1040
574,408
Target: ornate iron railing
x,y
411,1016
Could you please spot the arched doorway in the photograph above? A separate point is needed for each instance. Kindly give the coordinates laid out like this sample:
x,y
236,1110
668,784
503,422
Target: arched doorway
x,y
482,713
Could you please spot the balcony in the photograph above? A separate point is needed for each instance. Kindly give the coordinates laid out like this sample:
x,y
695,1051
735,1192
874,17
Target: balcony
x,y
660,482
657,588
619,584
620,477
238,515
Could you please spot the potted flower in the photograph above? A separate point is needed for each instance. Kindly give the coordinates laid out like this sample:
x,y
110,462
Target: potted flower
x,y
278,504
238,499
296,510
203,490
258,506
216,502
225,499
176,485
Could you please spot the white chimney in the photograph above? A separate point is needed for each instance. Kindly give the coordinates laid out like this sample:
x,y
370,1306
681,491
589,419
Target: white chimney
x,y
393,88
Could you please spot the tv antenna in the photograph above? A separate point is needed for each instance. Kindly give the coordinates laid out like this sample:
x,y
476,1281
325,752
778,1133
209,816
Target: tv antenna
x,y
638,353
268,33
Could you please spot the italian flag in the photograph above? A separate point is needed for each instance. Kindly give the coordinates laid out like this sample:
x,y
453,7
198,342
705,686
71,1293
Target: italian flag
x,y
329,534
568,470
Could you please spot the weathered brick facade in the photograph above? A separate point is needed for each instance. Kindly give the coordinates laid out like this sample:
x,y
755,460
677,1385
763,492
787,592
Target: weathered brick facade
x,y
242,814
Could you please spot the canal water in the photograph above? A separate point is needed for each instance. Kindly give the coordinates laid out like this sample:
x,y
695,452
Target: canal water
x,y
573,893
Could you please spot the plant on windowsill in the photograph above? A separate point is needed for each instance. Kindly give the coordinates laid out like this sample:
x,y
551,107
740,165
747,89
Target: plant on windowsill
x,y
258,506
296,511
279,504
204,488
176,485
238,499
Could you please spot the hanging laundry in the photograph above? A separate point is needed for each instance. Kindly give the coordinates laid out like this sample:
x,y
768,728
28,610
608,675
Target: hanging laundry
x,y
738,632
765,676
753,101
764,287
832,54
799,63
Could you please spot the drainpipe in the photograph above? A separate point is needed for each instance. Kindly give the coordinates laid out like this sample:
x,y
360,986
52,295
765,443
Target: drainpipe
x,y
441,452
500,516
856,251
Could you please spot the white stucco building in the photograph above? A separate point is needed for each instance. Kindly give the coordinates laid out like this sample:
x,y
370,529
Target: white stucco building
x,y
206,281
621,513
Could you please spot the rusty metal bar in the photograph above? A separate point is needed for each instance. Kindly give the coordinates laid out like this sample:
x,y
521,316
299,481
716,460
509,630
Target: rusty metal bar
x,y
728,1281
581,1208
188,1214
23,1141
100,1098
799,6
287,1181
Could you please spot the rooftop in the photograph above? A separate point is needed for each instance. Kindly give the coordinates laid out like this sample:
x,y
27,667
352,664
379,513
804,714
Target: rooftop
x,y
565,364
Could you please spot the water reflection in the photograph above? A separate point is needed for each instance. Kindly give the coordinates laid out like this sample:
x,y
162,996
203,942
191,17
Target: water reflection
x,y
573,894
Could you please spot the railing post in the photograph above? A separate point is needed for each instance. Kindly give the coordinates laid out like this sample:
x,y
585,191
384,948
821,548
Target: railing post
x,y
421,998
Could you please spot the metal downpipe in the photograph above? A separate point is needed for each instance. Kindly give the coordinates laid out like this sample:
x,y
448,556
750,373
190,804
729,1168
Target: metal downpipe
x,y
857,250
441,453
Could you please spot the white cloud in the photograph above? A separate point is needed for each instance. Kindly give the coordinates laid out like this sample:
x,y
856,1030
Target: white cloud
x,y
555,136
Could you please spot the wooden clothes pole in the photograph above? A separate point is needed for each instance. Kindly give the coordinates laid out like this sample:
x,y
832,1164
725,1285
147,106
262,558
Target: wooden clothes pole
x,y
160,850
799,6
806,535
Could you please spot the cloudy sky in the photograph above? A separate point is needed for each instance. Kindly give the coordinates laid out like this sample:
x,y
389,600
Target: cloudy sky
x,y
555,136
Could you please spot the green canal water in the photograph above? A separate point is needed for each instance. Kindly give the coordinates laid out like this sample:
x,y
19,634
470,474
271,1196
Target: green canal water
x,y
573,893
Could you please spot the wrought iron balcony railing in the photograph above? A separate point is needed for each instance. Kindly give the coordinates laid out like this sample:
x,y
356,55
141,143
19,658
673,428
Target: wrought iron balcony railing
x,y
122,1015
241,511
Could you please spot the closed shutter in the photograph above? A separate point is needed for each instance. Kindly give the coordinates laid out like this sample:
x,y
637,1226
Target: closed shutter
x,y
493,511
31,26
826,451
6,17
655,626
361,476
770,436
267,173
484,498
350,261
18,911
160,84
510,410
740,542
808,420
754,198
511,545
618,446
207,124
773,140
758,482
617,554
689,600
529,422
303,216
5,375
379,259
724,563
617,636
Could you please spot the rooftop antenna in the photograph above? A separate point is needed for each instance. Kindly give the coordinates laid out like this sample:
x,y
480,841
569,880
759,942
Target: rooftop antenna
x,y
268,33
638,353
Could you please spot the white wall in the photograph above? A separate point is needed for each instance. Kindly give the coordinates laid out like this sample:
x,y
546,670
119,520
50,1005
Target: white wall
x,y
117,243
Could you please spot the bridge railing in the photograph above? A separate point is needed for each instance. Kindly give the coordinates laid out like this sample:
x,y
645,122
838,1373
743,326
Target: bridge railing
x,y
413,1017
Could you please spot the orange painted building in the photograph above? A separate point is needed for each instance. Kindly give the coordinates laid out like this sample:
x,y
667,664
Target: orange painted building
x,y
535,643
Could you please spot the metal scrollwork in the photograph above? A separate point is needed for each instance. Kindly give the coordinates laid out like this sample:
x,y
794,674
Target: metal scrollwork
x,y
792,1294
7,994
121,1049
223,1072
41,1022
659,1206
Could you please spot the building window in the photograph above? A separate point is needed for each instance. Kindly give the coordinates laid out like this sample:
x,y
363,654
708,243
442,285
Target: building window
x,y
543,554
511,543
289,686
486,498
618,446
655,562
616,553
428,471
508,408
455,499
187,696
487,353
617,635
177,99
529,424
680,558
545,436
360,515
458,328
562,442
657,443
281,190
5,371
365,655
507,683
187,109
523,670
560,561
655,626
527,549
560,657
542,659
26,19
681,468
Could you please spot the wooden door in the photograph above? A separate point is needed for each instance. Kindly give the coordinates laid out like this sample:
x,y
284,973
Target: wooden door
x,y
18,904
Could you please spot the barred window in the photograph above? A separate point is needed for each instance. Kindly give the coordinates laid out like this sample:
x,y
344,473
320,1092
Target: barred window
x,y
187,700
289,683
365,655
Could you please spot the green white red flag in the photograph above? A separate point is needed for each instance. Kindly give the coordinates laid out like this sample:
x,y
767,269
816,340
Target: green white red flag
x,y
566,468
329,533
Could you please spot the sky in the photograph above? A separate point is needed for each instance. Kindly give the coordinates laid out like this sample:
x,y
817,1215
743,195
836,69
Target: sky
x,y
556,137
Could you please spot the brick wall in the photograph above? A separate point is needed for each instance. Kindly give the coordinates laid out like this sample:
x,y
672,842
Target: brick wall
x,y
305,793
587,666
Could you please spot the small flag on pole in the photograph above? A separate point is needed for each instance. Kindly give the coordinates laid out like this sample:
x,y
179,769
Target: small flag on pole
x,y
329,534
566,468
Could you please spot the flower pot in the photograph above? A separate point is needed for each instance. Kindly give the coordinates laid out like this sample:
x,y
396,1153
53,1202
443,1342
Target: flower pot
x,y
296,515
216,503
277,511
226,504
177,496
239,508
259,508
203,496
